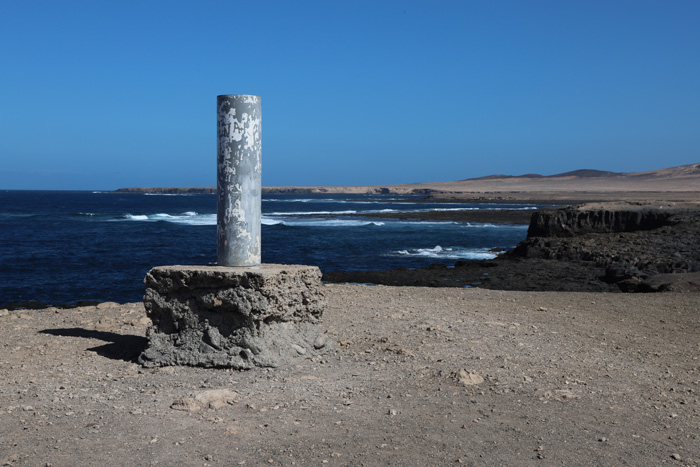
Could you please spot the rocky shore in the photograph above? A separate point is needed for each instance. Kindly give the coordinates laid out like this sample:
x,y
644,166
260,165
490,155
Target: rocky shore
x,y
451,373
603,247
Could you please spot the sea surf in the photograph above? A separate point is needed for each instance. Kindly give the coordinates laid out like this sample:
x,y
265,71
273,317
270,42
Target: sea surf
x,y
66,246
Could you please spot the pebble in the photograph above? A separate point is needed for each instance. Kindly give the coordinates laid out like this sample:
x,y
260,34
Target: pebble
x,y
320,341
676,456
187,405
469,378
144,321
216,398
300,350
252,345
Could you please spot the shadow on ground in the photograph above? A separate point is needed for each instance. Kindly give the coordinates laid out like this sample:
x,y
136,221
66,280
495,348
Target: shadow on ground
x,y
120,347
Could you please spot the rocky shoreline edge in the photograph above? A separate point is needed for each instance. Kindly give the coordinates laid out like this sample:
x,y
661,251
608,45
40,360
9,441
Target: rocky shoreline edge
x,y
592,247
620,246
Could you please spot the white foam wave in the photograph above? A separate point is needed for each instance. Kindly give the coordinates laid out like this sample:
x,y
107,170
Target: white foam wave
x,y
268,221
291,222
445,209
193,218
186,218
311,213
422,223
302,200
137,217
439,252
479,225
333,213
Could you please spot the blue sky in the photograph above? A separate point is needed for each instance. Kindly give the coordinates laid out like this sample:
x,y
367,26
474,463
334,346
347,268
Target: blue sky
x,y
102,95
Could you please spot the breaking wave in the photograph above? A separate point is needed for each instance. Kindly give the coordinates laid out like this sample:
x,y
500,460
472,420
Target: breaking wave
x,y
186,218
292,222
439,252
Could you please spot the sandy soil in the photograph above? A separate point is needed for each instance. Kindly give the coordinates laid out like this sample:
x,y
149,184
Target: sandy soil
x,y
418,376
679,181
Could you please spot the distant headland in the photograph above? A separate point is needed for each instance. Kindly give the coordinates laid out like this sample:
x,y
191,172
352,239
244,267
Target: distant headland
x,y
684,178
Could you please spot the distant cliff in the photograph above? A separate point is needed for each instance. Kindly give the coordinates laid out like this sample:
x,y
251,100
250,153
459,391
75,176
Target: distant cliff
x,y
572,221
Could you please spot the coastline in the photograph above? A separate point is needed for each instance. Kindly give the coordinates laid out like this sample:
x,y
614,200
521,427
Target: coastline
x,y
664,184
556,269
531,356
594,247
586,262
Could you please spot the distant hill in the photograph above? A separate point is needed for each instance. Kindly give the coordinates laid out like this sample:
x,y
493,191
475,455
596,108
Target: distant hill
x,y
587,173
573,173
682,171
685,178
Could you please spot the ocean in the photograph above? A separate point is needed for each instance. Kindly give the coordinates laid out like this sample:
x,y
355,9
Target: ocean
x,y
61,247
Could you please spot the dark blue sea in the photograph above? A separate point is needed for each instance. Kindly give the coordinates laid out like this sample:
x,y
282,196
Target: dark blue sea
x,y
60,247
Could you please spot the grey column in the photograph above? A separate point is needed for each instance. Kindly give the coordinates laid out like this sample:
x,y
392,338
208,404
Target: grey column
x,y
238,180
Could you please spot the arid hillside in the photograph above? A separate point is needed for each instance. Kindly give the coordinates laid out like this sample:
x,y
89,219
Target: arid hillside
x,y
685,178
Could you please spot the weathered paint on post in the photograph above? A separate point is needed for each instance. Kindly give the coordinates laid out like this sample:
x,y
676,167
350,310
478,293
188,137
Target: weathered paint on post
x,y
238,180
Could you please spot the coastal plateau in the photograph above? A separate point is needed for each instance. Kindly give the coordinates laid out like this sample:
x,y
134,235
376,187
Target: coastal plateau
x,y
581,184
632,232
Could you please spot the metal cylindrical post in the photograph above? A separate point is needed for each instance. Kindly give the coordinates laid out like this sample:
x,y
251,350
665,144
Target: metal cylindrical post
x,y
238,180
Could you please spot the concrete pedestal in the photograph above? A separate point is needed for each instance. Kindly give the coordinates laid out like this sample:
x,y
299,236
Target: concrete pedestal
x,y
235,317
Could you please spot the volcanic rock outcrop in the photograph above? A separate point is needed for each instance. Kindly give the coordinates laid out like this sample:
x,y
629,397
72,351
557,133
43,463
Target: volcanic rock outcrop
x,y
574,221
598,247
634,242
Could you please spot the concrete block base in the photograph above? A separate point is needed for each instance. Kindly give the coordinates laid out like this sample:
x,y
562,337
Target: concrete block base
x,y
233,317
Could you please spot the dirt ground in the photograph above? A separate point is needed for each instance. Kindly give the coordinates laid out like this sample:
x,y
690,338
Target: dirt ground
x,y
417,376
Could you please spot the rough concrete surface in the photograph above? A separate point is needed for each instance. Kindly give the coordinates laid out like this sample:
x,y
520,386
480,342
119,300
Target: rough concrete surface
x,y
236,317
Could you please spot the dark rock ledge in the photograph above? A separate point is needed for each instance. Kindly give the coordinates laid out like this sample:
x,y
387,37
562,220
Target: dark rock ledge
x,y
629,247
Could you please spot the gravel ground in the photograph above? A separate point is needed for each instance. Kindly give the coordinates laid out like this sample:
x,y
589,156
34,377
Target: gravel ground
x,y
417,376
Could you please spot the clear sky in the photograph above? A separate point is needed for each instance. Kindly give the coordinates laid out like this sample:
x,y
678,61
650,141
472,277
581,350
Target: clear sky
x,y
109,94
